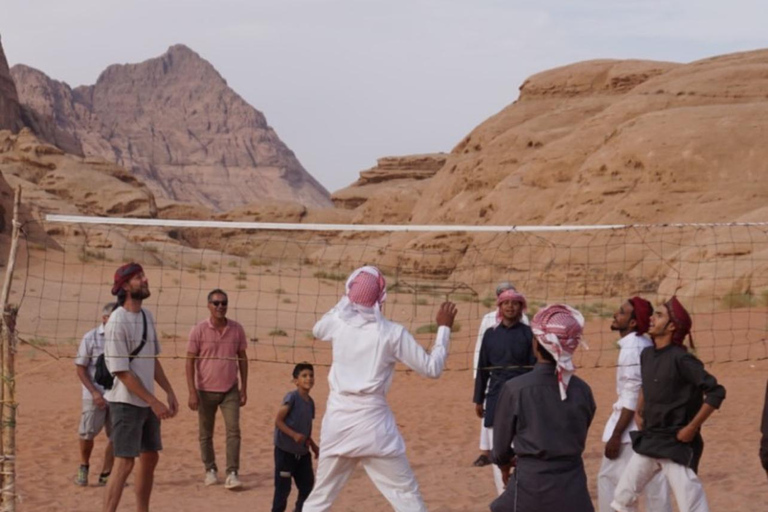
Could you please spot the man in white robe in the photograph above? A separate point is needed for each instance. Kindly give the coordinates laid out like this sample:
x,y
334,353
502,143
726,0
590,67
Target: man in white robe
x,y
358,426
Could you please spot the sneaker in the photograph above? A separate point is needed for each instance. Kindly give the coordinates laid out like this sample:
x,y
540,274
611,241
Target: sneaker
x,y
211,478
232,481
103,479
82,476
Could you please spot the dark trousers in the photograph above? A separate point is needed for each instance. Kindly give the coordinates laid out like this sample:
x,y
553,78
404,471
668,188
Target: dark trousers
x,y
298,467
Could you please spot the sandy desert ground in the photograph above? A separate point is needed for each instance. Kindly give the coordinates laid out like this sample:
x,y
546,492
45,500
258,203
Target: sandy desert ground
x,y
436,417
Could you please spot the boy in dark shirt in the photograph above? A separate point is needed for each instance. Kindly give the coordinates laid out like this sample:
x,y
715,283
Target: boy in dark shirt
x,y
293,441
678,396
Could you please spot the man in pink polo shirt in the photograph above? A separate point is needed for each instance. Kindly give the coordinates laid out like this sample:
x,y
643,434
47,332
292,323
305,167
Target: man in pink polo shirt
x,y
215,351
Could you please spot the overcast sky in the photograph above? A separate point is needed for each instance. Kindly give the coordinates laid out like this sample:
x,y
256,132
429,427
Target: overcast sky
x,y
344,82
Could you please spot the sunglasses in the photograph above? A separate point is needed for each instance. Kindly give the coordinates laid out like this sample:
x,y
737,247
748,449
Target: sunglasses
x,y
218,303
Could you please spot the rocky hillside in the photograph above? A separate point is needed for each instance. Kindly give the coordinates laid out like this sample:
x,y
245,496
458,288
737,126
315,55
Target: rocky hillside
x,y
606,142
10,110
174,123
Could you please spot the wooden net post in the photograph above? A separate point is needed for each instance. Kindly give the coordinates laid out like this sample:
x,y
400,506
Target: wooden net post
x,y
8,393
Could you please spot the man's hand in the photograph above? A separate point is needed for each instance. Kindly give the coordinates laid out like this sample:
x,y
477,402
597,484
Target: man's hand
x,y
479,410
505,471
686,434
99,400
300,438
243,397
173,404
193,401
446,314
613,447
160,410
639,420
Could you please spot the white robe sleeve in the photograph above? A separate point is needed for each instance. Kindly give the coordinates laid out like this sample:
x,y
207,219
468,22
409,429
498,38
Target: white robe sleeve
x,y
323,329
484,325
410,353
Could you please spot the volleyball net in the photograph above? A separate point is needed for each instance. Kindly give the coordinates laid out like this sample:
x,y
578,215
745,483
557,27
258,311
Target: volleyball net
x,y
281,278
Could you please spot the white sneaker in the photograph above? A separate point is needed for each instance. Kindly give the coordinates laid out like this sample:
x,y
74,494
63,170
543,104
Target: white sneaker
x,y
211,478
232,481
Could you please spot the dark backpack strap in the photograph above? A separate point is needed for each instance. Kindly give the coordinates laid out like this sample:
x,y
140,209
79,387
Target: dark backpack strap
x,y
143,338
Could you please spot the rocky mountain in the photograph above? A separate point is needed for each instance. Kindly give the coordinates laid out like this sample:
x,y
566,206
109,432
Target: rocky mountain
x,y
10,110
174,123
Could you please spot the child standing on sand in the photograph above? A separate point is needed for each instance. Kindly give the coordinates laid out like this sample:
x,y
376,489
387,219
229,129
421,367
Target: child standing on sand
x,y
293,440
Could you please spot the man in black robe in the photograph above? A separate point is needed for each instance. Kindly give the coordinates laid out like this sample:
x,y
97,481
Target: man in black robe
x,y
547,414
505,353
678,396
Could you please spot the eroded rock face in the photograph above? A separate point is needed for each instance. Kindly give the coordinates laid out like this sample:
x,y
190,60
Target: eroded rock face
x,y
174,123
605,142
10,109
393,176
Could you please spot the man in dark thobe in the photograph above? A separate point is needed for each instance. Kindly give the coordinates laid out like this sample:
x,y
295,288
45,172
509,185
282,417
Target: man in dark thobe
x,y
506,352
547,414
678,396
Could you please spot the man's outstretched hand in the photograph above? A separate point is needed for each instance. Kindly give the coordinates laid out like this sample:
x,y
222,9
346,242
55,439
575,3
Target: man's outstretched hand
x,y
446,314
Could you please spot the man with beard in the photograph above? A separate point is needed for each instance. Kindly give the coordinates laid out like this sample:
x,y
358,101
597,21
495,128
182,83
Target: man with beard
x,y
631,321
130,351
506,353
678,397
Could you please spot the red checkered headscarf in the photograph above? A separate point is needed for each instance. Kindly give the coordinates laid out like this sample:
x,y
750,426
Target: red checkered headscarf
x,y
367,287
643,311
681,320
559,329
506,295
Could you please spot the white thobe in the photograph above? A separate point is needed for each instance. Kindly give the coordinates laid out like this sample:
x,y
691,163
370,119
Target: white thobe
x,y
628,386
358,424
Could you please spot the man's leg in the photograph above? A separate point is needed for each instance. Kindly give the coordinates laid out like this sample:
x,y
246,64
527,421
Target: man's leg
x,y
332,474
685,484
145,478
657,495
395,480
126,440
86,448
305,480
151,444
498,480
206,416
120,472
608,477
109,452
639,471
230,409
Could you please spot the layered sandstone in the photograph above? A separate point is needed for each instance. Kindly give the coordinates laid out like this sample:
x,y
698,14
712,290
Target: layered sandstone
x,y
174,123
387,193
10,109
608,142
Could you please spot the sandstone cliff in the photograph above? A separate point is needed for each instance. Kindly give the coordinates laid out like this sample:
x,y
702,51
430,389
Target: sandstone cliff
x,y
10,110
604,142
174,123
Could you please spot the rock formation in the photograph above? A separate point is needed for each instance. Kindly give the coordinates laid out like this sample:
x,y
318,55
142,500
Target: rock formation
x,y
607,142
10,110
174,123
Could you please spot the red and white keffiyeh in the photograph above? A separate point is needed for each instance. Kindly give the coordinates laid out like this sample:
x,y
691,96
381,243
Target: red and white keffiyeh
x,y
559,329
365,292
512,295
